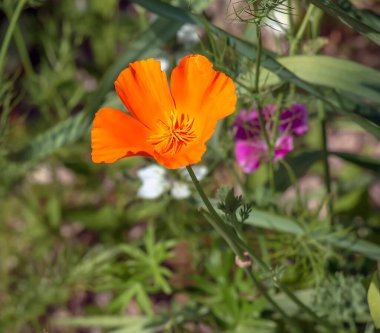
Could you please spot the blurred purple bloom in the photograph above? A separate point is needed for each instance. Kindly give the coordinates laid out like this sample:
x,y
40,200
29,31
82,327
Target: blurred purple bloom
x,y
249,153
283,146
251,147
248,125
295,119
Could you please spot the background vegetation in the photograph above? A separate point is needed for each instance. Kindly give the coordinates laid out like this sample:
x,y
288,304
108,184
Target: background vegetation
x,y
81,251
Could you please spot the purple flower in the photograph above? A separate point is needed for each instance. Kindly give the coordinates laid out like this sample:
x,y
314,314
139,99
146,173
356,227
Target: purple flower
x,y
283,146
251,148
247,124
295,119
250,153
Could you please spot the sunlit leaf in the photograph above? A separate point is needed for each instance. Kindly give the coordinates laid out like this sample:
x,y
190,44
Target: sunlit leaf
x,y
374,298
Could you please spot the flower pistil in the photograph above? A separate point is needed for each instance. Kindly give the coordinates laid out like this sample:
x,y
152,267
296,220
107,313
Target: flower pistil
x,y
175,134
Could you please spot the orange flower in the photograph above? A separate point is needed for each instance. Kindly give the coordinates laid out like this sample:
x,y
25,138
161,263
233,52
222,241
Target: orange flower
x,y
171,126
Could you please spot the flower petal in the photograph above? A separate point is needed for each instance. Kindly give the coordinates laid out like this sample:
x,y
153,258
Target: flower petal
x,y
143,88
284,145
202,93
249,154
191,154
115,135
295,119
246,125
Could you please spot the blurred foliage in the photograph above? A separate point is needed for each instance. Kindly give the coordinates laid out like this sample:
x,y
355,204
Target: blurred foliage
x,y
80,250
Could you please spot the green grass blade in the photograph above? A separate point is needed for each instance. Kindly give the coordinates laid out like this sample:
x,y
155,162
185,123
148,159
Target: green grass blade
x,y
365,22
102,321
8,35
373,297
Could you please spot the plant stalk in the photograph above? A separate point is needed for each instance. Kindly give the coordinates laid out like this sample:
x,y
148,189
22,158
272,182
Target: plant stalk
x,y
239,247
218,224
21,45
9,33
301,30
326,165
259,109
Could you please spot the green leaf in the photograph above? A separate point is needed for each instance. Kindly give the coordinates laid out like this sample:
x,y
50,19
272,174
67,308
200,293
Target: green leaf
x,y
75,127
369,126
64,133
335,73
278,223
373,297
274,222
102,321
352,86
362,161
365,22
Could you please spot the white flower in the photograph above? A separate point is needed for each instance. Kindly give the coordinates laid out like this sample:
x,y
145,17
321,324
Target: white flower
x,y
180,190
200,172
188,35
164,62
155,182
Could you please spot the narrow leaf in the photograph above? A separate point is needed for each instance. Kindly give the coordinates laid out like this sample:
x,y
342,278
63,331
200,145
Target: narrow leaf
x,y
365,22
373,298
278,223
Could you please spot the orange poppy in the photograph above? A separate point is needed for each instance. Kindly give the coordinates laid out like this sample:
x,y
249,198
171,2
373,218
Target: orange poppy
x,y
169,125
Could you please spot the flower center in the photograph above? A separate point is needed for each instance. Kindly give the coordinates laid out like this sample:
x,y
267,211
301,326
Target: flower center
x,y
174,135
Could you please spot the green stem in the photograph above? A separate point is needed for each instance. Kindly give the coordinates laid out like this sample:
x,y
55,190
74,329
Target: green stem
x,y
215,220
259,108
293,180
290,18
21,45
263,247
257,81
326,165
279,104
238,179
316,23
219,225
239,247
301,30
9,33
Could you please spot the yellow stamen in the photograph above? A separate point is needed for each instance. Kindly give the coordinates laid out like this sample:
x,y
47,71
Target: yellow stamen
x,y
174,135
